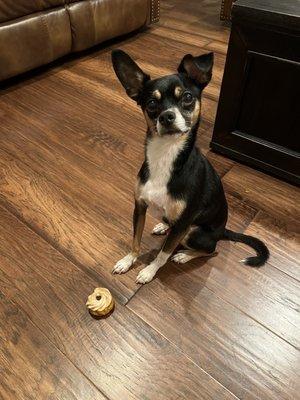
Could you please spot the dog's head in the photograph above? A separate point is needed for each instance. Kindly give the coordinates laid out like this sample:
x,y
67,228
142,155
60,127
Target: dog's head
x,y
171,104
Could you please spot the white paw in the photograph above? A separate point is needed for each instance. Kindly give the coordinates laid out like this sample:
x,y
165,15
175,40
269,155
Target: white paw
x,y
124,264
182,257
146,275
160,229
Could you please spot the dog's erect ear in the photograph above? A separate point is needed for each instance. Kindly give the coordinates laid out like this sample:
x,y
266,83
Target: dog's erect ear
x,y
129,73
198,68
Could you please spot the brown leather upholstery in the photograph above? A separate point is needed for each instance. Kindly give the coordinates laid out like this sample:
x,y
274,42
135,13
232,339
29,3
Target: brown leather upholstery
x,y
226,7
93,22
11,9
35,32
34,40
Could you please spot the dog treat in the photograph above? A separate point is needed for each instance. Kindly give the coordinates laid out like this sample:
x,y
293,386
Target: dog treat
x,y
100,302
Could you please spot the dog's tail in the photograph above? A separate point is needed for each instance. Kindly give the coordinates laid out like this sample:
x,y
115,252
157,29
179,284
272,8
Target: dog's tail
x,y
260,248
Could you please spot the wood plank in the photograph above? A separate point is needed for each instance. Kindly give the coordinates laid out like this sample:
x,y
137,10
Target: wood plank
x,y
197,18
267,295
217,46
180,36
283,240
240,214
244,356
31,367
260,190
208,110
123,356
74,226
66,107
221,164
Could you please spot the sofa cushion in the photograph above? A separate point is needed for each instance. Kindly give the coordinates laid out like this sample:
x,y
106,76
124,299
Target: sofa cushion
x,y
95,21
11,9
34,40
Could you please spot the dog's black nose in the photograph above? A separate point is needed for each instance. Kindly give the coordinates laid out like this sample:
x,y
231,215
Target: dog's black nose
x,y
167,118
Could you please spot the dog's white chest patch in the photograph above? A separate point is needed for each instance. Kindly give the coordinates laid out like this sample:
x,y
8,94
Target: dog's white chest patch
x,y
161,153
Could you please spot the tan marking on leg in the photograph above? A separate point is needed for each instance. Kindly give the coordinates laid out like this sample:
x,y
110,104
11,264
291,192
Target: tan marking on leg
x,y
137,189
178,91
139,218
136,242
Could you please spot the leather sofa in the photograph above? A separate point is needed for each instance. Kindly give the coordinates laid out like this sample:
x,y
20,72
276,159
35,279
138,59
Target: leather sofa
x,y
36,32
226,6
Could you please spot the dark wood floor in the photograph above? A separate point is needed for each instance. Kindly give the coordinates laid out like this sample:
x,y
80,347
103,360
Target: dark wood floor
x,y
70,146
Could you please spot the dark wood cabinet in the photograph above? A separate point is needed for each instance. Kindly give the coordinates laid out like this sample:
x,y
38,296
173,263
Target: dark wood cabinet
x,y
258,117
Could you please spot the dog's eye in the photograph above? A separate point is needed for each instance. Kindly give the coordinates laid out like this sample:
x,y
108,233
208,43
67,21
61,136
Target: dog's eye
x,y
151,105
187,98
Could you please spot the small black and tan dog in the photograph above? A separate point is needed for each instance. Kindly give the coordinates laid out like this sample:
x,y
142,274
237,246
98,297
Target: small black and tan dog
x,y
175,177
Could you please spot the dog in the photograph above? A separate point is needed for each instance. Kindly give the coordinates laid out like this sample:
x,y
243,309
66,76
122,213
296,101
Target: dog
x,y
175,177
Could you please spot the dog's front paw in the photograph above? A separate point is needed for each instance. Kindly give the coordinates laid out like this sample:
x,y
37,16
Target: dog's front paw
x,y
160,229
124,264
147,274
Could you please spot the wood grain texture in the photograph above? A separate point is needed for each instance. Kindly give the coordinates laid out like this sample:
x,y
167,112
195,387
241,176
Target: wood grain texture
x,y
122,355
74,228
277,296
267,295
244,356
282,237
180,36
260,190
240,214
31,367
217,46
198,17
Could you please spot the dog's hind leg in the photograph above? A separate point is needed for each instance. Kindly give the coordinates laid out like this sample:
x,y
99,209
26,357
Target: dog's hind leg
x,y
183,256
201,239
197,243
